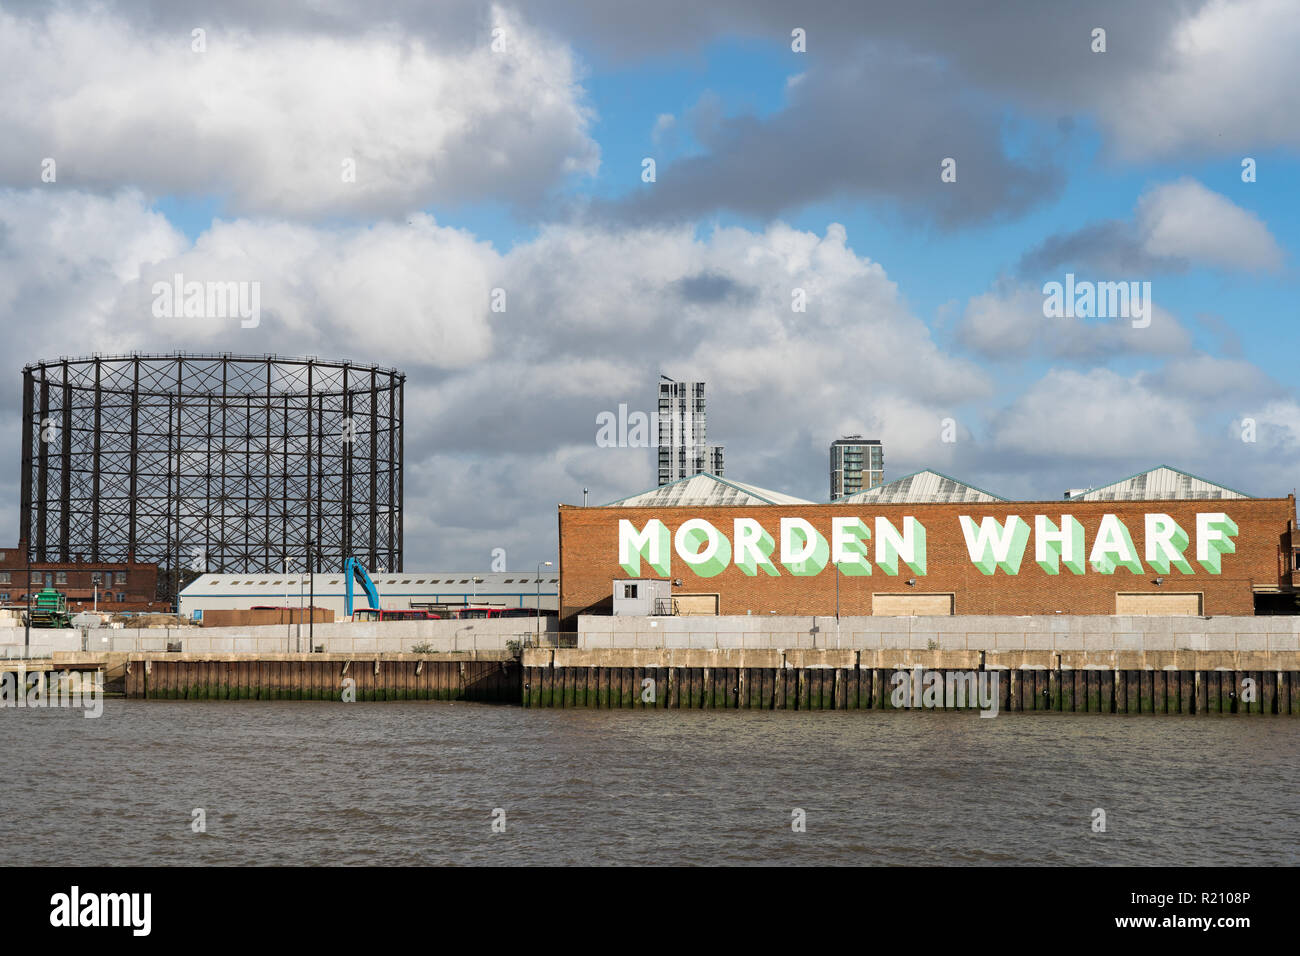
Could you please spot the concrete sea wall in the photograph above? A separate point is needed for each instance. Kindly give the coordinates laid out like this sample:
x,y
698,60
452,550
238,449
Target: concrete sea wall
x,y
1061,632
1114,682
487,677
387,637
1107,682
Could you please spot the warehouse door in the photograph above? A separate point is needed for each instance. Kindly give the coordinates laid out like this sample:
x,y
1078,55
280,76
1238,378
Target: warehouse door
x,y
1186,605
897,605
692,604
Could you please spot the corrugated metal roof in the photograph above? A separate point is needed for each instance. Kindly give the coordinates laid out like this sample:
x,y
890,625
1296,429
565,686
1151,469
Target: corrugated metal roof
x,y
405,582
1160,483
705,490
922,487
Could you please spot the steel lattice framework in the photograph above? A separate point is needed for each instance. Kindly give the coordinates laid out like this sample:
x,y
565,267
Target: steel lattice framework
x,y
213,462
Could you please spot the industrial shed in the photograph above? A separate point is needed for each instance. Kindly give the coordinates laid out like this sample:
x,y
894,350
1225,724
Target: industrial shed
x,y
397,591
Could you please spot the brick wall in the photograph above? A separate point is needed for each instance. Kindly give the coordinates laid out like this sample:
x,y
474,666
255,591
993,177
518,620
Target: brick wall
x,y
589,559
136,581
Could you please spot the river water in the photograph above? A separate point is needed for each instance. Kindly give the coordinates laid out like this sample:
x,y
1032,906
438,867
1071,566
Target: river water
x,y
418,783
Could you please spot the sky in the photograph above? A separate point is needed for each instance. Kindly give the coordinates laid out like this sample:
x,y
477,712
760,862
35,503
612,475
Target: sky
x,y
795,147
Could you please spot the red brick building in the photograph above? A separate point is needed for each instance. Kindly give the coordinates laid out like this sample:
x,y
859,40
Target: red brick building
x,y
120,586
1232,555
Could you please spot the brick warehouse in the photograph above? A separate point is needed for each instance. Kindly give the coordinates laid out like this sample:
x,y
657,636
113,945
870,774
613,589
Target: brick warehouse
x,y
1257,563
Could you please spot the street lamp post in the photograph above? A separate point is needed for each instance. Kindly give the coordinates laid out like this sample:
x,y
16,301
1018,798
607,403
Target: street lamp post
x,y
301,586
837,591
27,621
311,627
539,600
288,624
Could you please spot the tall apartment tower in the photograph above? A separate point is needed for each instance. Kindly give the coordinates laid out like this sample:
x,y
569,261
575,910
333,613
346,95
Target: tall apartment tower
x,y
683,450
857,464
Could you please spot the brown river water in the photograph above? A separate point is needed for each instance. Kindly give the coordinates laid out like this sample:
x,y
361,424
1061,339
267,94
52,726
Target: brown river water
x,y
418,783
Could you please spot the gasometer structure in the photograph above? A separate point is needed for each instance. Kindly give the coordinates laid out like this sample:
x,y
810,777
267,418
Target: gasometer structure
x,y
215,463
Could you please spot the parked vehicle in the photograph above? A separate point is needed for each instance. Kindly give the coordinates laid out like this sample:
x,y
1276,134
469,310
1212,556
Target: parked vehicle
x,y
50,609
380,614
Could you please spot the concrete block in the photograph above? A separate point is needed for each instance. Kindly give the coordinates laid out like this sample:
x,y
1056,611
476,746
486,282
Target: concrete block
x,y
1128,640
890,625
1093,641
1283,642
1153,624
981,641
730,624
1253,625
947,625
1252,641
1006,640
1037,624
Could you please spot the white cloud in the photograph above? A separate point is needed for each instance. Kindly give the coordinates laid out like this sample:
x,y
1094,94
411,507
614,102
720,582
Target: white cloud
x,y
1007,323
1184,220
505,403
83,268
1226,80
268,118
1078,415
1210,377
665,130
1085,428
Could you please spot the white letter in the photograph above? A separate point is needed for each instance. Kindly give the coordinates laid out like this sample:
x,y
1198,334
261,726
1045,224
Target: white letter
x,y
651,543
909,546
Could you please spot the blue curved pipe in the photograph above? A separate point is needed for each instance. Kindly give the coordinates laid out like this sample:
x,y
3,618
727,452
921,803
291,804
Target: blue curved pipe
x,y
352,570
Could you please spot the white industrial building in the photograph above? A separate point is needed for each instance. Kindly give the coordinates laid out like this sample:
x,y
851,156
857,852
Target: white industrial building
x,y
921,487
705,490
1161,483
397,591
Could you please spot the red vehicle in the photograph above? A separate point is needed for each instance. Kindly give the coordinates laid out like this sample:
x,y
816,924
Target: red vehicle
x,y
380,614
473,611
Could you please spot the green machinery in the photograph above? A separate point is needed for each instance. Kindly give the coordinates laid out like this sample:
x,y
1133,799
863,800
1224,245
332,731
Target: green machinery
x,y
50,609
